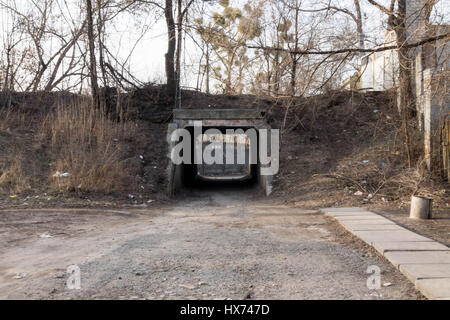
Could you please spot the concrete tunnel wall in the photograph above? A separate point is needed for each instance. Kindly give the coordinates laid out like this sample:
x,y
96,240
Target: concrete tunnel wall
x,y
176,173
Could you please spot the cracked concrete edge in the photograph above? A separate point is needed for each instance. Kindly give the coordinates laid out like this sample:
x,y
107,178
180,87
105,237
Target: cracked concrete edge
x,y
415,272
434,287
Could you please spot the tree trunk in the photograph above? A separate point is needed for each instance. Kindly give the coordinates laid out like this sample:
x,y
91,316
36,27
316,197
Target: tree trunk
x,y
269,76
229,74
170,55
277,72
178,51
100,30
294,56
359,26
179,43
207,68
405,92
293,73
92,62
6,85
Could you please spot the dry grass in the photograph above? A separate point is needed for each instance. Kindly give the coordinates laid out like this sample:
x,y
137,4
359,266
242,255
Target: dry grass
x,y
13,177
90,147
343,144
11,118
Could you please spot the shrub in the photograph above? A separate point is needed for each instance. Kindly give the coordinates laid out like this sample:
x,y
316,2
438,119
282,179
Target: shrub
x,y
91,147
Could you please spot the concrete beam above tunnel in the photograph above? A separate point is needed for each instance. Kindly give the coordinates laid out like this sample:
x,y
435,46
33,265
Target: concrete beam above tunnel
x,y
218,114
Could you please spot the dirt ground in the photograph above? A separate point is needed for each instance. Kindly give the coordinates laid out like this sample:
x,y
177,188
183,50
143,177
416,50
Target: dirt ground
x,y
437,228
137,244
217,244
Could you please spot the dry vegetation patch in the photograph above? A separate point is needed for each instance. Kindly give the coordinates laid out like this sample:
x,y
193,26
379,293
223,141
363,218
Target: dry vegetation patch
x,y
347,148
339,148
71,150
90,151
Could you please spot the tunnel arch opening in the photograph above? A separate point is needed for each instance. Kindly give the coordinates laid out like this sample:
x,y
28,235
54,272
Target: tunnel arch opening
x,y
212,138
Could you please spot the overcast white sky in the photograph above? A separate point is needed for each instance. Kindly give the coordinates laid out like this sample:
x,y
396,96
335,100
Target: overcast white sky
x,y
147,61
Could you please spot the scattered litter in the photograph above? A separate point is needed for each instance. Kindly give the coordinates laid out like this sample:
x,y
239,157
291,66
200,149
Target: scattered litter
x,y
150,201
387,284
358,193
370,196
61,175
364,182
374,294
45,235
188,286
365,161
155,167
384,199
130,196
142,157
13,196
116,140
20,276
376,111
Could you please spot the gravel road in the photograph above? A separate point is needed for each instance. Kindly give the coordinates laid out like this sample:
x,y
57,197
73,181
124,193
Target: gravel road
x,y
213,245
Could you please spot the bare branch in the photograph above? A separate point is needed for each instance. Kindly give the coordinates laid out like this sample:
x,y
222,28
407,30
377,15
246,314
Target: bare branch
x,y
355,50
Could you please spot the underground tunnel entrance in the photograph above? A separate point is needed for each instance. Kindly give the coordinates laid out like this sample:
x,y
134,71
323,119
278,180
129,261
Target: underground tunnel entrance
x,y
220,150
237,169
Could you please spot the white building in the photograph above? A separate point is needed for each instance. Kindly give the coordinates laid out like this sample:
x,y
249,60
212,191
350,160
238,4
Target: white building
x,y
379,70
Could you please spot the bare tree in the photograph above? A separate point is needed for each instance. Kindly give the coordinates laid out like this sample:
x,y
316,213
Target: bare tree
x,y
92,59
171,46
41,65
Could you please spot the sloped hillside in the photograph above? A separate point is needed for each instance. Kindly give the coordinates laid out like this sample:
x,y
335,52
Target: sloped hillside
x,y
339,148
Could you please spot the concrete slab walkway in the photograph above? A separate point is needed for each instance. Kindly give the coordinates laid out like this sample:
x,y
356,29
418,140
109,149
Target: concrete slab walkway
x,y
423,261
